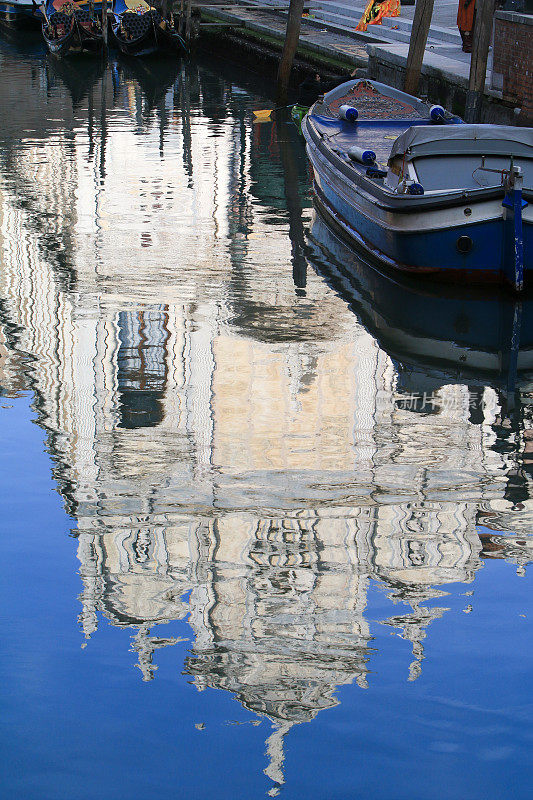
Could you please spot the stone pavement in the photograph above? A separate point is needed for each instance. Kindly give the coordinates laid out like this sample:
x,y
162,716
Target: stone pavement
x,y
272,22
330,30
390,40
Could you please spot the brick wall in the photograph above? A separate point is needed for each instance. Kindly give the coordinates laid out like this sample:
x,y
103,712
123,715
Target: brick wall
x,y
513,61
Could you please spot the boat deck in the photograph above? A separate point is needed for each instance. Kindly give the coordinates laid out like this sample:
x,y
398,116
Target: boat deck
x,y
371,105
378,135
382,118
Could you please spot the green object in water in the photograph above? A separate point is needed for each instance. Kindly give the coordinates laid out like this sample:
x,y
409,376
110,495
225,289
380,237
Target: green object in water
x,y
297,115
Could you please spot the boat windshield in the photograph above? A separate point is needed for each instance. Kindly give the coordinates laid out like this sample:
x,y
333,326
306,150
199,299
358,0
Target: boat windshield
x,y
466,171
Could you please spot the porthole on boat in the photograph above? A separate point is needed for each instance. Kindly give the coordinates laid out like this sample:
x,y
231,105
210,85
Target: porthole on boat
x,y
468,211
464,244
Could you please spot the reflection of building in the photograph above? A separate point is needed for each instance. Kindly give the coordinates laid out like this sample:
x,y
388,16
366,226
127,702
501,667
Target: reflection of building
x,y
277,605
230,451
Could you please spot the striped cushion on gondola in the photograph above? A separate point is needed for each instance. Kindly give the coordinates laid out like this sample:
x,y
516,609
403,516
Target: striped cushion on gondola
x,y
83,16
61,19
137,25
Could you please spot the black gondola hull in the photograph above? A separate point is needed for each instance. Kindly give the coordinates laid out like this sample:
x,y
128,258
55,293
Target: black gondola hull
x,y
77,41
154,40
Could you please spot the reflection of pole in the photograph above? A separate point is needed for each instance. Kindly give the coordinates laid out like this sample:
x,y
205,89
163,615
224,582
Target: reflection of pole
x,y
510,350
185,105
294,208
90,120
103,127
290,46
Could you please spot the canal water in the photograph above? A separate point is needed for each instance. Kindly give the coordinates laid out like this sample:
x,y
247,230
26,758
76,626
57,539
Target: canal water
x,y
266,513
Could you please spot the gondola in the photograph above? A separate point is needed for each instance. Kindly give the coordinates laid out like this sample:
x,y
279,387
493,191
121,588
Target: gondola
x,y
72,28
20,14
140,29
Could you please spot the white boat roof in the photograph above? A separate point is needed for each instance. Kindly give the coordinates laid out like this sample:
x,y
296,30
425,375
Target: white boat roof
x,y
436,140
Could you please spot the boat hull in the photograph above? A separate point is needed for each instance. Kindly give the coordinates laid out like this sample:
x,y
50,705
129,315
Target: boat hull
x,y
471,335
424,242
155,40
420,191
75,44
20,16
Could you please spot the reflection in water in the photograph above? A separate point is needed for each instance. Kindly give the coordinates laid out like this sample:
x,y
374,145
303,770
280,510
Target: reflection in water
x,y
250,428
141,367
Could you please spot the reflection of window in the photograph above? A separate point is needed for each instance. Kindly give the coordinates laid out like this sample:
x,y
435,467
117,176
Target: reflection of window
x,y
415,553
141,547
142,366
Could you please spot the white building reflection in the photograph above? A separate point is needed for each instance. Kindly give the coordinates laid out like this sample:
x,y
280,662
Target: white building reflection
x,y
257,485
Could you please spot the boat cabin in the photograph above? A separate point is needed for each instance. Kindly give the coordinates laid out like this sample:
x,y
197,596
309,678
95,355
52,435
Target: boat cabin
x,y
455,157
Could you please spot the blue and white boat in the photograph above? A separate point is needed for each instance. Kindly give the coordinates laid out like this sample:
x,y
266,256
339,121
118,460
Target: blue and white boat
x,y
420,191
20,14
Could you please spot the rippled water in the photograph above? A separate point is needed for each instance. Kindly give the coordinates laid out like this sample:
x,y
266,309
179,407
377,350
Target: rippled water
x,y
258,469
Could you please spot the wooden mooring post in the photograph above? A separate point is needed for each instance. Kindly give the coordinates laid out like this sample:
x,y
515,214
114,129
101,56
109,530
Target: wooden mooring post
x,y
104,23
478,60
417,44
292,35
187,29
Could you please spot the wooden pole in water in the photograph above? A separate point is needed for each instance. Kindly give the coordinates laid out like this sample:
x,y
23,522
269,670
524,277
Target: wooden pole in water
x,y
104,23
188,21
290,46
478,60
417,44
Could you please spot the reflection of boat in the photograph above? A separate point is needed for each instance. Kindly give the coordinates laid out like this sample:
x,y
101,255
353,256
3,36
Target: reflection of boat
x,y
72,28
154,76
20,14
442,198
140,29
471,335
78,75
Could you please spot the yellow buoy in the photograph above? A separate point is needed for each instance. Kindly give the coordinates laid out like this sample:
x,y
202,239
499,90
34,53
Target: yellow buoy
x,y
263,115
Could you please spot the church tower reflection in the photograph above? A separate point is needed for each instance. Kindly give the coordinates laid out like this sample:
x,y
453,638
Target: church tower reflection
x,y
234,443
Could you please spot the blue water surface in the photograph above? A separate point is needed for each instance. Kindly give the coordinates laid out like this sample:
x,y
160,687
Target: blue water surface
x,y
266,513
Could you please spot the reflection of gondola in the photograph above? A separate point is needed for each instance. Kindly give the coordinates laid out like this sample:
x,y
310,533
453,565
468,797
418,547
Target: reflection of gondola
x,y
153,76
78,75
468,335
72,28
140,29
